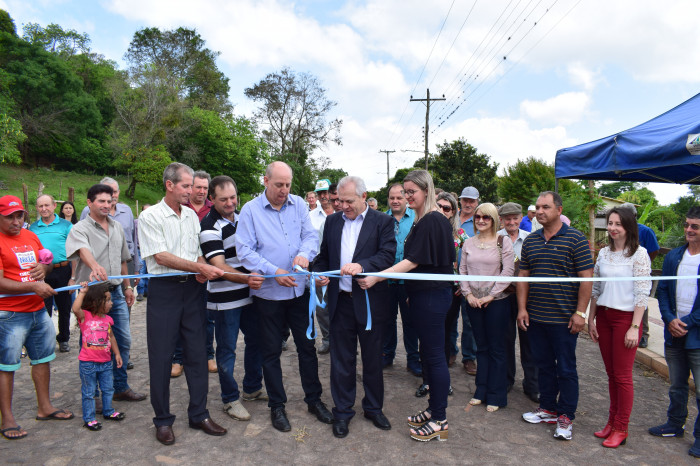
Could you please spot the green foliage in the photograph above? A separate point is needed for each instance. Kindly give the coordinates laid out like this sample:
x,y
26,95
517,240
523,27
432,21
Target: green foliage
x,y
616,188
11,136
332,174
7,24
457,165
145,165
293,111
526,179
382,195
641,196
55,39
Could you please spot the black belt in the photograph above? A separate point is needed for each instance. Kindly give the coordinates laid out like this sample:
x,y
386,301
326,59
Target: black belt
x,y
175,278
61,264
113,287
346,293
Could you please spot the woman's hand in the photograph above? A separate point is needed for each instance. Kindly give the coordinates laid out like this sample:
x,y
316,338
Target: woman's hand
x,y
473,301
485,300
367,282
631,338
593,330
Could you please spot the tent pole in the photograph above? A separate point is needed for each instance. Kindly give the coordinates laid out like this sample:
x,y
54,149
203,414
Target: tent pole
x,y
556,185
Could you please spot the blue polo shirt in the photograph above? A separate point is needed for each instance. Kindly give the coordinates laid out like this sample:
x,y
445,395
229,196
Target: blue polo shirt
x,y
401,230
468,227
564,255
647,238
526,224
53,236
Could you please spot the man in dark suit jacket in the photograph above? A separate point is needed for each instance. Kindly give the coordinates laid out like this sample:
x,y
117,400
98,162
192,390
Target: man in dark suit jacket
x,y
356,240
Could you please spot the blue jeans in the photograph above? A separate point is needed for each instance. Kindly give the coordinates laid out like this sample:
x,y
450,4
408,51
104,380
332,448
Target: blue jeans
x,y
429,310
554,351
122,333
228,323
142,287
90,374
33,330
399,302
468,342
681,362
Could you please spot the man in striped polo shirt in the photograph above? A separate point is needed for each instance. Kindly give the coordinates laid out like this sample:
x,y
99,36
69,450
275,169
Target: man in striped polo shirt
x,y
230,297
554,313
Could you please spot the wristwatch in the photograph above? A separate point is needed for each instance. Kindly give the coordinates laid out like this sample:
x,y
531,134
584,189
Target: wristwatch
x,y
582,314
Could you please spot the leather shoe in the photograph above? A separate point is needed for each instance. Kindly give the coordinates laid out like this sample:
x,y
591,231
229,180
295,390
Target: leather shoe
x,y
644,341
128,395
379,420
415,369
321,412
176,370
470,367
279,420
209,427
165,435
340,428
535,397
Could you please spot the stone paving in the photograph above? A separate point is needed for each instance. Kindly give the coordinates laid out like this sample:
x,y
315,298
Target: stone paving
x,y
475,435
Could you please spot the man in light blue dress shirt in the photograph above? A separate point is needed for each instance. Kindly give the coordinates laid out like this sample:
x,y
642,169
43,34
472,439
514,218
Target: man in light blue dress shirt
x,y
274,235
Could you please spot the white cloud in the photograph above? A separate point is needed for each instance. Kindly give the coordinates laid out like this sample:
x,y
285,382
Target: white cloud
x,y
563,109
582,76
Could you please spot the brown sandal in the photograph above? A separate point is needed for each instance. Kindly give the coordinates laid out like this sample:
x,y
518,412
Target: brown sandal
x,y
426,433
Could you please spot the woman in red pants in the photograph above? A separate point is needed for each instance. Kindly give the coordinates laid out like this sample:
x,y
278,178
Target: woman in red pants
x,y
617,308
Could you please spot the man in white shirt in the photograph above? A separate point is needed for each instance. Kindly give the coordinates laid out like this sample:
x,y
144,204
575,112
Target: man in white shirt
x,y
318,219
680,311
511,215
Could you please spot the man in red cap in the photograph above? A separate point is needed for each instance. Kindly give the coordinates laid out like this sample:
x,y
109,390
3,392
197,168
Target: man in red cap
x,y
23,318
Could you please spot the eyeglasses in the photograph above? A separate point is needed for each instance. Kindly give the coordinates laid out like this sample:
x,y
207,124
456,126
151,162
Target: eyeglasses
x,y
410,192
445,208
336,200
482,217
692,226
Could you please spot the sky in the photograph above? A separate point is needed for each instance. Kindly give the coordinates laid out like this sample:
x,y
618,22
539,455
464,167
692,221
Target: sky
x,y
520,77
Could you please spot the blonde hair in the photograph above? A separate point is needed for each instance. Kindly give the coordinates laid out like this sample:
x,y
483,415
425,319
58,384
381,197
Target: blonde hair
x,y
424,181
489,209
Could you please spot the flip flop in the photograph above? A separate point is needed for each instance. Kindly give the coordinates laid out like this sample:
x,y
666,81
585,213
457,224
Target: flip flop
x,y
13,429
53,416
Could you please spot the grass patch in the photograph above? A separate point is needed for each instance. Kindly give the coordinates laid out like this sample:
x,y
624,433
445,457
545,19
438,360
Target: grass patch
x,y
56,183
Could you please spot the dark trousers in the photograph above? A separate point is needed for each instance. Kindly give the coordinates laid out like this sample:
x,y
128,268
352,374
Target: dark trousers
x,y
526,360
451,321
177,310
428,312
56,279
554,349
490,325
346,327
274,316
399,303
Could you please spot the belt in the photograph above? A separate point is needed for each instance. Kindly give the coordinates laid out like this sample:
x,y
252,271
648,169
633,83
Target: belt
x,y
61,264
175,278
113,287
346,293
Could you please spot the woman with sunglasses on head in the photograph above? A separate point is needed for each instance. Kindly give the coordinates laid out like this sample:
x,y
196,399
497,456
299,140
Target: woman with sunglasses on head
x,y
447,204
489,254
616,313
428,249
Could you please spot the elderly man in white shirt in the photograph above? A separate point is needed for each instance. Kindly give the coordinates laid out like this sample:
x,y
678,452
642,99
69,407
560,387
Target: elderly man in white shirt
x,y
511,215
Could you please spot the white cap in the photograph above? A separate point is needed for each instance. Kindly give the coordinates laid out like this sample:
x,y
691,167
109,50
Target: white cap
x,y
532,207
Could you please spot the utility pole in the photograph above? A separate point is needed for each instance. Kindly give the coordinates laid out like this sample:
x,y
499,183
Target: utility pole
x,y
427,101
387,152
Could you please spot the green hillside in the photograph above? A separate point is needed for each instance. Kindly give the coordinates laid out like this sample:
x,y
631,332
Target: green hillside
x,y
57,183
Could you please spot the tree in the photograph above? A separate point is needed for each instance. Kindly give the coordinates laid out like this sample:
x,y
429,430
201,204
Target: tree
x,y
55,39
183,62
11,136
616,188
294,111
7,24
641,196
457,165
145,165
523,181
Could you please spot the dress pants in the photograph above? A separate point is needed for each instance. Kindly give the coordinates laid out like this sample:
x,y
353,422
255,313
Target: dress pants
x,y
274,316
530,384
59,277
346,328
177,309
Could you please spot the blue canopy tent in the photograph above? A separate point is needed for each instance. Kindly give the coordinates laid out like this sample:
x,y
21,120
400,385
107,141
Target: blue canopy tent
x,y
665,149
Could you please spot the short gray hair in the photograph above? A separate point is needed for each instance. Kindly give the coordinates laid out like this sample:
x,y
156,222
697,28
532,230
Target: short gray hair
x,y
360,187
202,175
372,199
630,206
109,181
173,172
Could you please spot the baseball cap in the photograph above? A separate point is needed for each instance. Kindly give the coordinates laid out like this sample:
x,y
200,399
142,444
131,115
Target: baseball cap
x,y
10,204
322,185
510,208
532,207
470,192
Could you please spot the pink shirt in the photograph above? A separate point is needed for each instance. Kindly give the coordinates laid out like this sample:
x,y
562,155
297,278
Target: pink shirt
x,y
96,345
486,259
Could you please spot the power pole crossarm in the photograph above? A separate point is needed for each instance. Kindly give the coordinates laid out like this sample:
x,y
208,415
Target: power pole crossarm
x,y
427,101
387,152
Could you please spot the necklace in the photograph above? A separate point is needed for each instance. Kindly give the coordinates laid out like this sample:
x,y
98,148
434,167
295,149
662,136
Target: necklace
x,y
482,244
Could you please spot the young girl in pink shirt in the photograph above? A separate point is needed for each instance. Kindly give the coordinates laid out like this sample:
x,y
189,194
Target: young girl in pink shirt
x,y
91,306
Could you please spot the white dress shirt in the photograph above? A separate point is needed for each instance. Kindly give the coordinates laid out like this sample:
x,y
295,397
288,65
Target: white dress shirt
x,y
348,241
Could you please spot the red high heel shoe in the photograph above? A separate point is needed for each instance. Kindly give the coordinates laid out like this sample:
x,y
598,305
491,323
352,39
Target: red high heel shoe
x,y
605,433
616,438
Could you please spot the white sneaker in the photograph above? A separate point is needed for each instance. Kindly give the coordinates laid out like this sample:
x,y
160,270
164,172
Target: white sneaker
x,y
258,395
540,415
236,410
564,427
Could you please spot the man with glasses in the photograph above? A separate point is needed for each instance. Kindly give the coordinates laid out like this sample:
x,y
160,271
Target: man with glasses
x,y
680,311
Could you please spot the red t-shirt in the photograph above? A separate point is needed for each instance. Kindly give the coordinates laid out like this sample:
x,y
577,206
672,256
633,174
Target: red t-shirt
x,y
18,254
